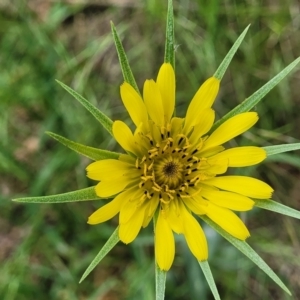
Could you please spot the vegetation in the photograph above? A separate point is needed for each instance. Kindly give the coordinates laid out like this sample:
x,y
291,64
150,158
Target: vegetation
x,y
45,248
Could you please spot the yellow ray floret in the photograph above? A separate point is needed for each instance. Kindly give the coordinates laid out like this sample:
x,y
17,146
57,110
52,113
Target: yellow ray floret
x,y
164,243
166,84
244,185
153,102
134,104
204,98
231,128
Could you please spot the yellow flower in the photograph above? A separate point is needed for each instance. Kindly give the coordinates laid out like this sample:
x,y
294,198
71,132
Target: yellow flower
x,y
173,165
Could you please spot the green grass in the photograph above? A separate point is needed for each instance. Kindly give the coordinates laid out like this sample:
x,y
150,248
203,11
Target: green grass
x,y
44,249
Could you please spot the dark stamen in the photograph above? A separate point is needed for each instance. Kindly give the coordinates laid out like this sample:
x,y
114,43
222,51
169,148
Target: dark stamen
x,y
194,151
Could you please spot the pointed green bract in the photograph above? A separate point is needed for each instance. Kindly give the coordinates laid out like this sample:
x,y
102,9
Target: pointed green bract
x,y
248,251
170,44
160,275
271,150
255,98
90,152
75,196
226,61
104,120
160,283
277,207
209,278
126,70
111,242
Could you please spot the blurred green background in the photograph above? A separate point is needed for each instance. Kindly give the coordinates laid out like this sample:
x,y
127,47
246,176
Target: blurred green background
x,y
44,249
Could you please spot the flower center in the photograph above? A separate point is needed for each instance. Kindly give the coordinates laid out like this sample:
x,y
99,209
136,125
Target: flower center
x,y
168,171
170,166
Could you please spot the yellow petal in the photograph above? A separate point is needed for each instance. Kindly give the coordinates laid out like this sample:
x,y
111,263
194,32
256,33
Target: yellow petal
x,y
127,211
173,216
112,187
108,169
194,235
230,129
176,126
150,210
206,119
127,158
166,84
129,231
203,99
228,199
134,104
242,156
226,219
124,137
244,185
153,102
109,210
195,204
209,152
164,243
214,167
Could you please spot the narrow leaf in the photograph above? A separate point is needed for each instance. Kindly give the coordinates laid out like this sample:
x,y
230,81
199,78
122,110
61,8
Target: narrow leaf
x,y
111,242
90,152
170,45
254,99
80,195
226,61
160,283
105,121
271,150
285,158
125,67
210,279
277,207
248,251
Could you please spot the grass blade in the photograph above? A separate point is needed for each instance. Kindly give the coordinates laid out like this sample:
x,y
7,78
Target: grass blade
x,y
277,207
80,195
226,61
111,242
255,98
90,152
271,150
210,279
105,121
125,67
170,45
248,251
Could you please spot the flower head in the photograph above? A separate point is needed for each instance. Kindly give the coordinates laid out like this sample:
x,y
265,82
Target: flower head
x,y
173,166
